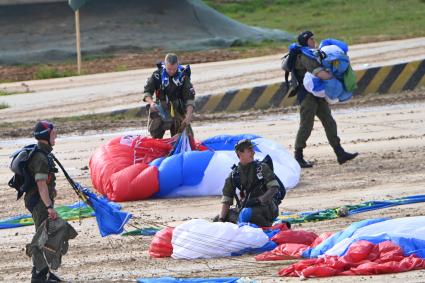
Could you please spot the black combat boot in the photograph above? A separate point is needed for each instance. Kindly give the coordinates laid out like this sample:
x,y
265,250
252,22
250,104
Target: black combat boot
x,y
300,159
40,276
343,156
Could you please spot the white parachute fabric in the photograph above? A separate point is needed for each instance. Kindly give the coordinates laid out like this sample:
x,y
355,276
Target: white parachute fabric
x,y
215,174
309,80
285,166
219,168
199,238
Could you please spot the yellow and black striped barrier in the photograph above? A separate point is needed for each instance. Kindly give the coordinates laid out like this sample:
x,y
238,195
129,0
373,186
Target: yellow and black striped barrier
x,y
380,80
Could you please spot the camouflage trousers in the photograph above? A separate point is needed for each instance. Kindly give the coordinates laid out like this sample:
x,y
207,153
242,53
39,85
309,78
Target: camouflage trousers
x,y
158,126
310,107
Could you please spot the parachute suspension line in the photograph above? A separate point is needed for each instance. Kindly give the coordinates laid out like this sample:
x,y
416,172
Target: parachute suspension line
x,y
74,186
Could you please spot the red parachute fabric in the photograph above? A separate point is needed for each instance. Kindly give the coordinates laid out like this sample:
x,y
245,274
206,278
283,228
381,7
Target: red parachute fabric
x,y
294,236
130,180
161,243
291,250
320,239
119,169
362,258
279,226
108,159
283,252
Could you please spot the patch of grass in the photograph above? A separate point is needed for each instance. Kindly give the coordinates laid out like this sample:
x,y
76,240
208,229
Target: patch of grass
x,y
120,68
4,105
353,21
4,93
46,72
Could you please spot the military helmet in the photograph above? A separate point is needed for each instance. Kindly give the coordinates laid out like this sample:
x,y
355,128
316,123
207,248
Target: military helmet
x,y
243,144
42,130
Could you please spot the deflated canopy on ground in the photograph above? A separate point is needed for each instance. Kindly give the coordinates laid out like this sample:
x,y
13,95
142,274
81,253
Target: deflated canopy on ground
x,y
136,167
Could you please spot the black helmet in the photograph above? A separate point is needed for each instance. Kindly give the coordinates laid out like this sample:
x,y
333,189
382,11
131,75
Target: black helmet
x,y
304,36
243,144
42,130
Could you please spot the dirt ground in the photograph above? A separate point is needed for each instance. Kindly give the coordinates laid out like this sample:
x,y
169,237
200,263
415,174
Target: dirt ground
x,y
129,61
389,135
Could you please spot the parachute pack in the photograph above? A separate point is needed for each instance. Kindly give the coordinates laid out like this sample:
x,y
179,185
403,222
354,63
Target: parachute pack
x,y
288,65
236,180
22,180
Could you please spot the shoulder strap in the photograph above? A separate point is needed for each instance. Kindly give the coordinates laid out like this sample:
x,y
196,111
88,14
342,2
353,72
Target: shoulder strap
x,y
236,183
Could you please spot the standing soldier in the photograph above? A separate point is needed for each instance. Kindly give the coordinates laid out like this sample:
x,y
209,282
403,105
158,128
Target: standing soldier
x,y
311,106
170,97
37,180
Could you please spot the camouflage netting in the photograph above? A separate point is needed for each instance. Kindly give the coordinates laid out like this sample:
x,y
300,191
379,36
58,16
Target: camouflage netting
x,y
45,32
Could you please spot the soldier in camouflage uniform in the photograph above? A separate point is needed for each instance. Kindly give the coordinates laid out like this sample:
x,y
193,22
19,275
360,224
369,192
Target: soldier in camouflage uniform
x,y
311,106
257,187
170,97
39,199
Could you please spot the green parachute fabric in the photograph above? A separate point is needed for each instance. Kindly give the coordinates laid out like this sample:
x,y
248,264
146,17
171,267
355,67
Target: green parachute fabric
x,y
75,211
332,213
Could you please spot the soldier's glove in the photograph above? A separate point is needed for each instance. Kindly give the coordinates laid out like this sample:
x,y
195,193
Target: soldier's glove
x,y
253,202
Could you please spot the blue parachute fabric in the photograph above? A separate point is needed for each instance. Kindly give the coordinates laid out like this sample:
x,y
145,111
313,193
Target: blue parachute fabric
x,y
270,245
310,53
245,215
335,89
183,169
337,63
227,142
157,162
319,84
14,221
194,166
170,174
177,148
332,41
338,237
372,205
188,280
182,144
109,217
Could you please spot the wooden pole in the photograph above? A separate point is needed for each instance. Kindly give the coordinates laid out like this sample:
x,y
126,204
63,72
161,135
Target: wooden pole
x,y
77,34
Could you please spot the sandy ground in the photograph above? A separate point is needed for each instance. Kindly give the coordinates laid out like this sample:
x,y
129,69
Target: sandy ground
x,y
390,140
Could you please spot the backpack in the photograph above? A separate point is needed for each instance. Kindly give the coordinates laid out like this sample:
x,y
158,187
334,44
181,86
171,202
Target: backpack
x,y
22,180
280,195
288,65
236,181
